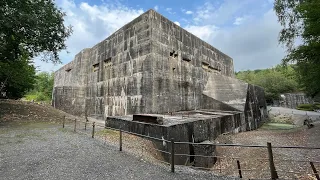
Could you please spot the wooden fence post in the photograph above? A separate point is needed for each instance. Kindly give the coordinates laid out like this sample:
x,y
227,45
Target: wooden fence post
x,y
75,125
85,124
172,155
120,140
315,172
239,169
63,121
93,125
273,171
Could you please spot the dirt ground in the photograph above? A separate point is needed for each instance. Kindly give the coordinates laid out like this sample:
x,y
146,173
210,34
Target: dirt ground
x,y
290,163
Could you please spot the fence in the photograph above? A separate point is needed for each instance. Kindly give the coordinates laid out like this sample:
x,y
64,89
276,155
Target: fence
x,y
268,166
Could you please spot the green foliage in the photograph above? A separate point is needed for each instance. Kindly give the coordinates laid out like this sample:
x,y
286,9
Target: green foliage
x,y
43,86
308,107
275,81
28,28
17,77
300,19
31,27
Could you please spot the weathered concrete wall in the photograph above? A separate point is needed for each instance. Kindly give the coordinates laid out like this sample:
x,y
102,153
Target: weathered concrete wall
x,y
255,108
182,66
206,129
150,65
70,84
115,75
292,100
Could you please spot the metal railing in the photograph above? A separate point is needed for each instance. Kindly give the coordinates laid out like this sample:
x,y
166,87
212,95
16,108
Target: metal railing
x,y
238,168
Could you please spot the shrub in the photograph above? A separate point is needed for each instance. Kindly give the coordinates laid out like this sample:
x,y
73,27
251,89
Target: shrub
x,y
308,107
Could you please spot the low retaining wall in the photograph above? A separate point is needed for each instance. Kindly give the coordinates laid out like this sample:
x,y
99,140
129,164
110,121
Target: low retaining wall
x,y
191,130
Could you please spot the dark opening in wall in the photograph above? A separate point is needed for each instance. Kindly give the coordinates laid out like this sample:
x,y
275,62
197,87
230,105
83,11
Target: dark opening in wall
x,y
68,70
107,62
173,54
214,69
186,59
205,64
95,67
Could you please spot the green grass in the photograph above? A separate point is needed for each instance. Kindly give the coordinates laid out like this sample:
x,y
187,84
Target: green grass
x,y
308,107
37,97
107,132
278,126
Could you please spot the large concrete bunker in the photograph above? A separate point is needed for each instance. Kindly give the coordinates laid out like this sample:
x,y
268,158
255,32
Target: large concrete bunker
x,y
153,66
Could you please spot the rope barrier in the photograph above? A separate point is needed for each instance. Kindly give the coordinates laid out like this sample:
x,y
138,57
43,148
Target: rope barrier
x,y
205,156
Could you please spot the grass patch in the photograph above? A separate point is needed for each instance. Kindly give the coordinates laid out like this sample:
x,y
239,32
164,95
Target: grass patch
x,y
37,97
277,126
63,129
309,107
107,132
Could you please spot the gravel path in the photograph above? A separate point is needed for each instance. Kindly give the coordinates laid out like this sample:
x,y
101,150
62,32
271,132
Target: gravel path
x,y
282,110
46,151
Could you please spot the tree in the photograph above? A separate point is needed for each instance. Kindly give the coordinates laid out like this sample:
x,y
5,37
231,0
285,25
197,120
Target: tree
x,y
300,20
28,28
19,77
43,86
32,27
275,81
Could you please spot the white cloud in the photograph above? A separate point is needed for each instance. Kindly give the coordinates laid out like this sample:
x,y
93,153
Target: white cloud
x,y
169,10
91,24
177,23
189,12
219,14
206,32
253,45
239,20
156,8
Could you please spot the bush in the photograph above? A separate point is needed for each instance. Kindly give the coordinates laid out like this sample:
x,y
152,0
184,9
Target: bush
x,y
38,96
308,107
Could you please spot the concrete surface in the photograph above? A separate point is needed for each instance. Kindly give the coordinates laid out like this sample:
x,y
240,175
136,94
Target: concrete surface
x,y
152,65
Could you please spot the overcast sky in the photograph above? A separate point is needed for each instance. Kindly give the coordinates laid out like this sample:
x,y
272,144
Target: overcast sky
x,y
246,30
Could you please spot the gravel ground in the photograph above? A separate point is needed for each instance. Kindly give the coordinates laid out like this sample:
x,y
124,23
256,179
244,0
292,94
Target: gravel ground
x,y
281,110
46,151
